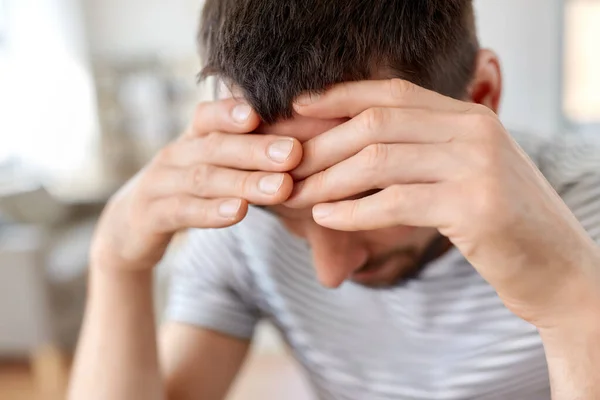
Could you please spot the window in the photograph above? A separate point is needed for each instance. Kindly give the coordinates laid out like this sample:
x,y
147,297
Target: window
x,y
47,102
581,102
3,21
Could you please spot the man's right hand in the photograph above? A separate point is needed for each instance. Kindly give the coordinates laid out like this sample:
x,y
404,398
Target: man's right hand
x,y
205,179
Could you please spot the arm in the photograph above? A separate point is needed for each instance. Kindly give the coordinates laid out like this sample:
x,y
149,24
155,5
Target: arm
x,y
196,182
199,363
119,335
116,356
573,347
451,165
573,354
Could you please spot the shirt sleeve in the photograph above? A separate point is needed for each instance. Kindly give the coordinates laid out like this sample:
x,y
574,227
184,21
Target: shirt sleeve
x,y
572,165
210,286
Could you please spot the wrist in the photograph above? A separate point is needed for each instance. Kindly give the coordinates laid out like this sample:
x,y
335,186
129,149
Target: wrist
x,y
577,322
580,326
573,354
111,261
106,278
576,299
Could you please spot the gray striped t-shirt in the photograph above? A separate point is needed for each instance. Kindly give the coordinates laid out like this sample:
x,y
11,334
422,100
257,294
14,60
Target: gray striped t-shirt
x,y
445,335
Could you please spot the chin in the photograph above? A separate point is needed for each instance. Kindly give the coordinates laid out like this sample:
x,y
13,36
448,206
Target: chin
x,y
382,277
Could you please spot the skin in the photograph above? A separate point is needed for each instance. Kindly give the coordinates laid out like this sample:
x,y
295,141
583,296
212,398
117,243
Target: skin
x,y
419,162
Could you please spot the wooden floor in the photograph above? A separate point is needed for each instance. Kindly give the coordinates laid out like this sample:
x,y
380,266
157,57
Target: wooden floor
x,y
16,382
45,378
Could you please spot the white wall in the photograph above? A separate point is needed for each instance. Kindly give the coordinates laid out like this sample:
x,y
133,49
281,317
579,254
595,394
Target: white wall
x,y
527,34
46,86
142,27
582,62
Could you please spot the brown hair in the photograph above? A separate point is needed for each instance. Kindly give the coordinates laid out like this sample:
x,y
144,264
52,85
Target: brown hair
x,y
274,50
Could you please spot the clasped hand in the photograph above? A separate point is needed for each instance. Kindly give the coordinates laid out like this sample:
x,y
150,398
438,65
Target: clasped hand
x,y
432,161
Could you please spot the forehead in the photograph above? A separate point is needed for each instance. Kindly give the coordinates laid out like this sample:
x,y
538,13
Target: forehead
x,y
300,127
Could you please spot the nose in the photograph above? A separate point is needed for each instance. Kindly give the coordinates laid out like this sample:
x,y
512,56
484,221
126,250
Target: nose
x,y
335,254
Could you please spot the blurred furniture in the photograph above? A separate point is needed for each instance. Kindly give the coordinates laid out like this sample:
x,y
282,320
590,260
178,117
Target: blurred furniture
x,y
24,302
143,103
26,326
43,272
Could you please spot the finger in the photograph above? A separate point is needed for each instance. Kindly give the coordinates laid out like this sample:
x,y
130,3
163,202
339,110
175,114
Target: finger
x,y
247,152
229,115
171,214
423,205
351,98
376,167
377,125
206,181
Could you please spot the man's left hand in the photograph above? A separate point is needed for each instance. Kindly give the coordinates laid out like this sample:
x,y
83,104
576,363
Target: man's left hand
x,y
431,161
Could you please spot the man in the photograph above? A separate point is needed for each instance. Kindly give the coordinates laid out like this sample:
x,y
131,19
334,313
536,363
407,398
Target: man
x,y
460,272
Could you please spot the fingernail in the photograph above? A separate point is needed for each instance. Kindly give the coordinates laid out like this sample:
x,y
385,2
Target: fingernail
x,y
270,184
307,99
241,113
322,211
280,150
230,208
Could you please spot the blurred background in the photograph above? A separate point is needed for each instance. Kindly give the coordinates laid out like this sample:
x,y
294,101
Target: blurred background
x,y
90,90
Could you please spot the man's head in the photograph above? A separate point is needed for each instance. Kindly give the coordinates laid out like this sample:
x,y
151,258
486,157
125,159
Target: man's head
x,y
271,51
274,50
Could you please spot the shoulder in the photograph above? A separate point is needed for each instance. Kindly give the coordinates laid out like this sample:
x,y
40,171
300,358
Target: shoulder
x,y
572,159
566,159
258,234
571,163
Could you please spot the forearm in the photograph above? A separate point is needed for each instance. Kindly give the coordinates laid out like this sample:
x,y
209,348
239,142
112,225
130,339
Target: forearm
x,y
117,353
573,356
573,345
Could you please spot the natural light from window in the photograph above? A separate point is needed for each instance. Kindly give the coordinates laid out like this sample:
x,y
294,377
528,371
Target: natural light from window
x,y
582,61
48,118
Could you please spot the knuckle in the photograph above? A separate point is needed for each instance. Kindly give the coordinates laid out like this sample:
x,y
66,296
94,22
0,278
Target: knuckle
x,y
198,177
375,155
211,142
140,187
246,183
372,120
258,148
354,211
321,179
486,124
399,88
165,155
483,110
394,198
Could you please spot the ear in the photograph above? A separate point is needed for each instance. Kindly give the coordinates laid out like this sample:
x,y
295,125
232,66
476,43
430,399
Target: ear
x,y
486,87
